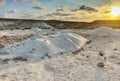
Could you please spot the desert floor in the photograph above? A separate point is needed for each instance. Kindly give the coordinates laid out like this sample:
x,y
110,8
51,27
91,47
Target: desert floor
x,y
98,60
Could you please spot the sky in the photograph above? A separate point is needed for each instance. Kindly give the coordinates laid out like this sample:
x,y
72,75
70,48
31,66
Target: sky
x,y
67,10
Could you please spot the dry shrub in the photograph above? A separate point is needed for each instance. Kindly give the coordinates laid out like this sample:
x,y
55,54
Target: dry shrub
x,y
20,58
4,75
88,42
101,64
12,39
78,51
1,46
33,49
6,61
101,53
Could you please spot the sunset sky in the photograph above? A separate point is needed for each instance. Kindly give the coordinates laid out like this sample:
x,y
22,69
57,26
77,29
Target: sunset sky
x,y
68,10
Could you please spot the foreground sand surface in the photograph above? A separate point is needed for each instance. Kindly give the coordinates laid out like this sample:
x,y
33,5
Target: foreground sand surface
x,y
98,60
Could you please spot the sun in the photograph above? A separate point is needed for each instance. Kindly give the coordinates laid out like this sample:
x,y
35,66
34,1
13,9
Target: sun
x,y
115,11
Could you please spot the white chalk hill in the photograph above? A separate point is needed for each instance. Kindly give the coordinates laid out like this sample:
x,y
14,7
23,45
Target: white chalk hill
x,y
40,45
103,31
43,25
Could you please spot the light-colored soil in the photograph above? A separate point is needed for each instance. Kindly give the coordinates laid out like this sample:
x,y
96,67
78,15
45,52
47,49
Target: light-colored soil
x,y
99,60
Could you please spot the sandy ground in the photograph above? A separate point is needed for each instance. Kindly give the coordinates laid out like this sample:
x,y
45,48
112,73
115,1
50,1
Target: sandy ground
x,y
99,60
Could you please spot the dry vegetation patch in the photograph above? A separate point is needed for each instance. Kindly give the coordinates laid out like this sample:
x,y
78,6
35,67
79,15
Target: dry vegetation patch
x,y
101,53
11,39
100,64
6,61
20,58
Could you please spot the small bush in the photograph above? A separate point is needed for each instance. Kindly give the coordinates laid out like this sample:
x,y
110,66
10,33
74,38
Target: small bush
x,y
101,64
101,53
20,58
6,61
88,42
33,49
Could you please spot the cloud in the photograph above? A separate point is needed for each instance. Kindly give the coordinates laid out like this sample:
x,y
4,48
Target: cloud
x,y
115,2
62,8
39,8
20,0
2,3
30,2
85,8
37,5
59,14
74,10
107,11
104,8
35,2
81,14
63,13
17,14
12,11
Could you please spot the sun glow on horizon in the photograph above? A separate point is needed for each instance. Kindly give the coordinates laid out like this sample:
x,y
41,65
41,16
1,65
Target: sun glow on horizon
x,y
115,11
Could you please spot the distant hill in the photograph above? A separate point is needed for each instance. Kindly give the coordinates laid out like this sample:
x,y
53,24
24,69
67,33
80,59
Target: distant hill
x,y
29,23
99,23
